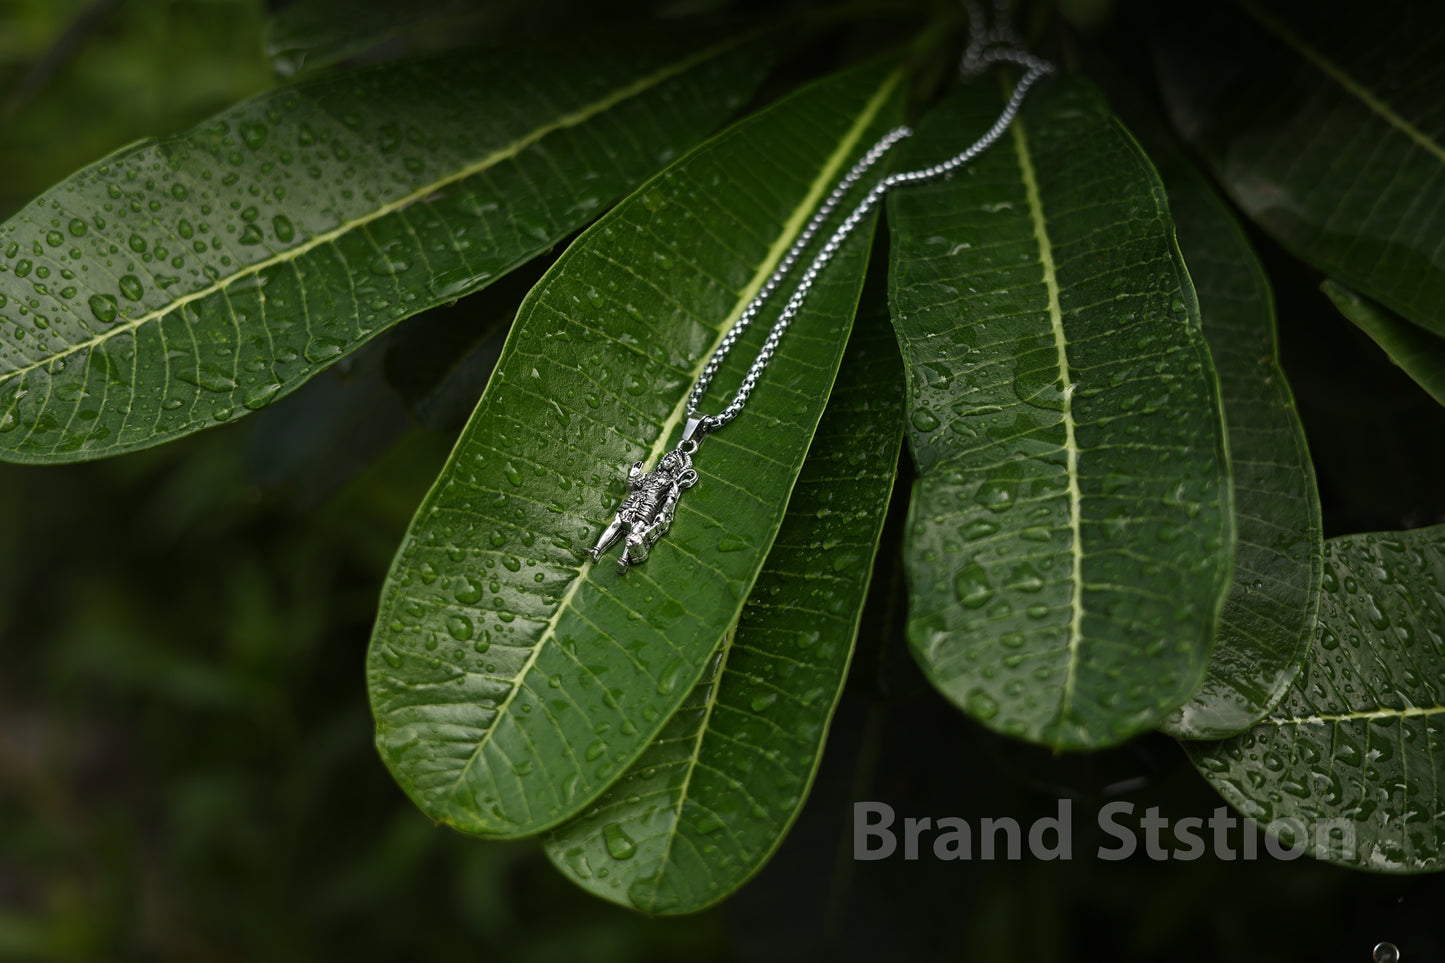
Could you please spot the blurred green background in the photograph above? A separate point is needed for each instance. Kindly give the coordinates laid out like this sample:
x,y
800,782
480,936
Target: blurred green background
x,y
186,769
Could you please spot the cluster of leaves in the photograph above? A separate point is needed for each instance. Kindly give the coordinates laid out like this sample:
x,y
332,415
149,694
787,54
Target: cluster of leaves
x,y
1113,526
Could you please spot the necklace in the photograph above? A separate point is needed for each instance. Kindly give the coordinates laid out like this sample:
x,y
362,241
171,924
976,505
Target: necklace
x,y
646,512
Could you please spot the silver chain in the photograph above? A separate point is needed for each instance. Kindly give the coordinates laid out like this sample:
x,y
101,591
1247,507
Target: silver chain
x,y
987,45
647,511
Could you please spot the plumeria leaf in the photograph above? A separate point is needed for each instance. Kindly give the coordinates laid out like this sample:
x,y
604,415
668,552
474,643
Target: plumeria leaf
x,y
1269,616
184,281
1071,534
1329,137
1354,754
513,679
1420,354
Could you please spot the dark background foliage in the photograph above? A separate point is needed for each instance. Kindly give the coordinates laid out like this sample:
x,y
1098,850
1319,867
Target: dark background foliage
x,y
186,769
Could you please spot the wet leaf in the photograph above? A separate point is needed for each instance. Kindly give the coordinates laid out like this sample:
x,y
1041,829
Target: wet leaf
x,y
180,283
1328,136
1420,354
1070,536
1358,738
512,679
1269,615
714,794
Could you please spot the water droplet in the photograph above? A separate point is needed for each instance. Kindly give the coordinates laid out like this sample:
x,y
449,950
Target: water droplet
x,y
709,822
209,377
322,349
1026,578
285,230
762,700
979,528
251,234
619,844
468,591
1041,387
981,704
971,586
1386,953
259,396
253,134
78,227
997,495
386,266
103,307
130,286
731,543
460,627
925,420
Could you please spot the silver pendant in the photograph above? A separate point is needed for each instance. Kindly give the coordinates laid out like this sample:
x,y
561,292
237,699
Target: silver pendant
x,y
646,513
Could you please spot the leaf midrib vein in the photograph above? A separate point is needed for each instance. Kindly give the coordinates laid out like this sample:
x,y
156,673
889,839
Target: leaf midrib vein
x,y
1071,446
1337,717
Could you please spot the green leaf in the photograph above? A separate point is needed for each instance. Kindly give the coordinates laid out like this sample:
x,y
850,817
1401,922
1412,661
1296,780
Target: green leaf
x,y
313,34
1070,536
1269,614
1328,136
1419,354
181,282
1358,737
512,680
705,806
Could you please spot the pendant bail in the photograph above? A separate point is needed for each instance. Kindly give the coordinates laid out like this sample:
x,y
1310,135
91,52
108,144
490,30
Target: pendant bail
x,y
694,430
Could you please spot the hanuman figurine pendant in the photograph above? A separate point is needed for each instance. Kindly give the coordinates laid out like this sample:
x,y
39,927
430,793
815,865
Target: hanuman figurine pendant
x,y
646,513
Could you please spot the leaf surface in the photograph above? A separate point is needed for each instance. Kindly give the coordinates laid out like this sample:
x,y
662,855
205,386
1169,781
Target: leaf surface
x,y
1269,615
1070,535
313,34
1420,354
705,806
181,282
511,678
1329,137
1359,737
